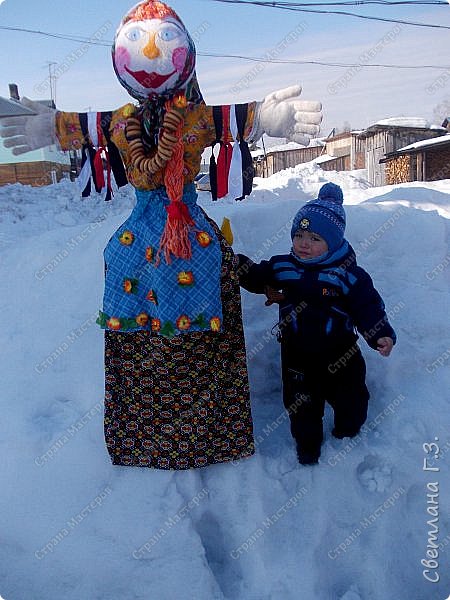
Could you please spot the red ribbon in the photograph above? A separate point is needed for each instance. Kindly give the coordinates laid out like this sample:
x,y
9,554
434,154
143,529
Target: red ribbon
x,y
223,168
178,211
225,154
98,162
98,166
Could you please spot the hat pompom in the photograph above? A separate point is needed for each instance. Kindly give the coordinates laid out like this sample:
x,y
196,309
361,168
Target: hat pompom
x,y
332,193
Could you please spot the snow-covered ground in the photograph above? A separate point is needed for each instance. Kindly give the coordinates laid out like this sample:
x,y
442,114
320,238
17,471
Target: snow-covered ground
x,y
354,527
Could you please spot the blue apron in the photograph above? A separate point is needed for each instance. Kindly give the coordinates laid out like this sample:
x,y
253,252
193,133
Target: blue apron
x,y
168,299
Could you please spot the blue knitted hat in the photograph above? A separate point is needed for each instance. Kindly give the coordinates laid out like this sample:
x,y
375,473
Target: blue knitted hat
x,y
324,216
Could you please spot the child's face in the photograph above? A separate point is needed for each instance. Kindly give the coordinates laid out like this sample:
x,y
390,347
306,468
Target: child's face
x,y
307,244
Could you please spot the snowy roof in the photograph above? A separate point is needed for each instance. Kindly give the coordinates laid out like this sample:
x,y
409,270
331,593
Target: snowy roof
x,y
416,122
442,139
400,122
11,108
324,158
317,142
284,147
339,136
294,146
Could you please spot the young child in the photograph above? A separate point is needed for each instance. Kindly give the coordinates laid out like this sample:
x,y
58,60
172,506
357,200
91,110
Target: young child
x,y
324,297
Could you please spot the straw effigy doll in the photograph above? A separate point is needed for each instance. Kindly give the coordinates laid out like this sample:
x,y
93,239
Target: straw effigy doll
x,y
176,386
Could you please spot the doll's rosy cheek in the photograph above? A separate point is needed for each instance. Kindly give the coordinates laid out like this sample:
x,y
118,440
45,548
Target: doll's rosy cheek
x,y
121,59
179,58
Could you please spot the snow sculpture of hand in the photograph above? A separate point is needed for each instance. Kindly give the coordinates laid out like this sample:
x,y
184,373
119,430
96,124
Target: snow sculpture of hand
x,y
282,114
23,134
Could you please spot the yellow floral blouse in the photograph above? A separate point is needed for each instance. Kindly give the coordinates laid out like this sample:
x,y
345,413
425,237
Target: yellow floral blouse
x,y
198,133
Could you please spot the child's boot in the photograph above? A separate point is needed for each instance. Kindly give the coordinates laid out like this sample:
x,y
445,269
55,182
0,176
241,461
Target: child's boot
x,y
306,457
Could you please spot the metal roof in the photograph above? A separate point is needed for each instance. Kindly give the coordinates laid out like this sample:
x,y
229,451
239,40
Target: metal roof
x,y
12,108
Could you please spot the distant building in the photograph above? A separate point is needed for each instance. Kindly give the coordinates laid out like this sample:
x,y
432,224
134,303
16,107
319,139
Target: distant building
x,y
349,146
427,160
389,135
284,156
36,168
342,152
12,108
327,162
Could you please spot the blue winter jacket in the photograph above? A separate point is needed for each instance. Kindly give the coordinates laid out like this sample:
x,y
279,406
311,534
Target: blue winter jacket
x,y
324,304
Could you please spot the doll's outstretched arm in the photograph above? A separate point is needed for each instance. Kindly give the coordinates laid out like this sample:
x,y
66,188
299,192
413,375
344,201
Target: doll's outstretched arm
x,y
283,114
27,133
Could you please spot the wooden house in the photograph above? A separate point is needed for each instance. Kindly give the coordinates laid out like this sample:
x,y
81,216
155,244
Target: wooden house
x,y
36,168
342,152
388,136
284,156
427,160
333,163
351,147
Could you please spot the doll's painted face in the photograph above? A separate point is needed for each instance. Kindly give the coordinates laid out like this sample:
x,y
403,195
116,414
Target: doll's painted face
x,y
153,57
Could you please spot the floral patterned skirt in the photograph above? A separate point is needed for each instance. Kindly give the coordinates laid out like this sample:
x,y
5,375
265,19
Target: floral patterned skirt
x,y
181,402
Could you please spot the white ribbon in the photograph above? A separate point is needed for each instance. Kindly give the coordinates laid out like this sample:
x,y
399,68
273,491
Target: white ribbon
x,y
86,172
235,183
92,128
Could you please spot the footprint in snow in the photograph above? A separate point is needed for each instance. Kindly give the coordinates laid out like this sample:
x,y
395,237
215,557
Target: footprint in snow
x,y
412,432
374,474
351,594
50,421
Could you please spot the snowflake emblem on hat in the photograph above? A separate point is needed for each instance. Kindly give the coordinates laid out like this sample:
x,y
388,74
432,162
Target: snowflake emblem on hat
x,y
304,223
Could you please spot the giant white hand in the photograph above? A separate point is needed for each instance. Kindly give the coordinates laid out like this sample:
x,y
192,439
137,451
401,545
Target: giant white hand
x,y
24,134
282,114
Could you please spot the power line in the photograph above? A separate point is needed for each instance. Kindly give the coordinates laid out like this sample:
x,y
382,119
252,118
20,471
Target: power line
x,y
296,8
322,63
60,36
343,3
95,42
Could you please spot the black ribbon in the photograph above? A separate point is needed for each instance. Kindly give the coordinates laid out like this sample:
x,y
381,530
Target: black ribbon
x,y
218,125
115,160
248,171
88,153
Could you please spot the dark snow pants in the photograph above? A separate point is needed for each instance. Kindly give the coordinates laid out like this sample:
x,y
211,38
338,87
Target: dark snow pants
x,y
309,382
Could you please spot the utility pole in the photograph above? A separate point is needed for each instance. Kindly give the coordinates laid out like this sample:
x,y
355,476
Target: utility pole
x,y
52,81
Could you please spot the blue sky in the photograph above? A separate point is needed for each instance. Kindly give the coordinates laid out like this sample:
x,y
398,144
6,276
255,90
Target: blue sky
x,y
359,96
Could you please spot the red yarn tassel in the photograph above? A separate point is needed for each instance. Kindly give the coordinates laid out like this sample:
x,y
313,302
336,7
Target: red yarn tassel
x,y
175,237
178,211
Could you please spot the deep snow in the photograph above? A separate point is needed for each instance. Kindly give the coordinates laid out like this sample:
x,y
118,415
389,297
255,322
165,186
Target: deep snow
x,y
353,527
